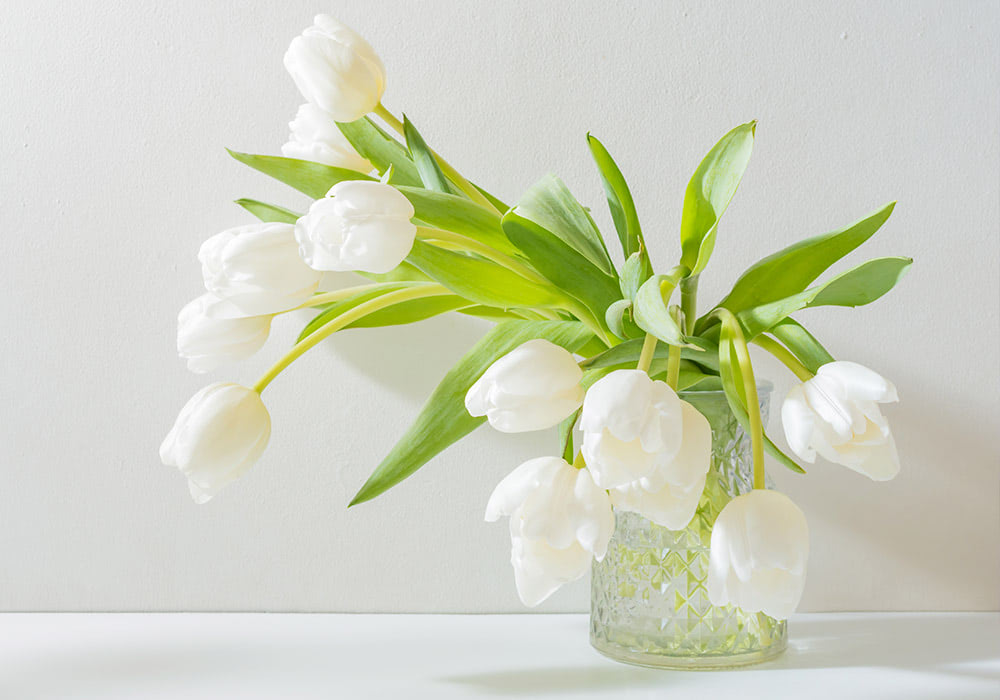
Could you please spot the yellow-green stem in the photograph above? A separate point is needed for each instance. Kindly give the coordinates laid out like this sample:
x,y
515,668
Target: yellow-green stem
x,y
482,249
786,357
753,402
646,355
673,366
345,319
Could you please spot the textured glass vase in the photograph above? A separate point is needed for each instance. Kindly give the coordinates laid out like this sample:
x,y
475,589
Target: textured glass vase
x,y
649,602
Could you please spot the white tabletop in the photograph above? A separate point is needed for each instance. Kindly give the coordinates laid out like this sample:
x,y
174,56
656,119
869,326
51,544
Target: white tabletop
x,y
249,656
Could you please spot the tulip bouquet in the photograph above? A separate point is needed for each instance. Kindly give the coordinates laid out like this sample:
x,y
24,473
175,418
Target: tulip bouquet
x,y
596,351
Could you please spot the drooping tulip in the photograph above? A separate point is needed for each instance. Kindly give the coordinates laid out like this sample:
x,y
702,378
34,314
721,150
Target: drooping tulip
x,y
314,136
836,414
670,495
211,333
221,431
257,268
336,69
533,387
758,554
360,225
559,520
632,427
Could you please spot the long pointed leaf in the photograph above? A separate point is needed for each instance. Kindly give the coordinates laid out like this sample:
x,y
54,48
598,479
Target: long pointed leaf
x,y
423,158
269,212
801,343
381,149
459,215
619,196
312,179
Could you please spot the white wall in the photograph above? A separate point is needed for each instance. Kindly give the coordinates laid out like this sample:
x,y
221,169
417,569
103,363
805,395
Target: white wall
x,y
112,171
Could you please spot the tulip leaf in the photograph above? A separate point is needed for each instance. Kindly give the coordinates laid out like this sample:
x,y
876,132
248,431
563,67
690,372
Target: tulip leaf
x,y
635,271
312,179
628,353
459,215
563,265
443,419
423,157
856,287
652,314
618,318
792,269
480,280
565,430
269,212
403,272
337,308
550,204
382,150
709,192
411,311
801,343
620,201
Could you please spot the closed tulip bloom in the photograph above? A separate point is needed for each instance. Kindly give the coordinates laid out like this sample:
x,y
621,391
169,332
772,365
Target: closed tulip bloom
x,y
257,268
314,136
758,554
670,496
336,69
360,225
210,333
836,414
632,427
218,435
559,520
533,387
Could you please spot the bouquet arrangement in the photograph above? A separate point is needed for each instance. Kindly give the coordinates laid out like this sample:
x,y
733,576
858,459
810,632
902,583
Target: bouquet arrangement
x,y
593,350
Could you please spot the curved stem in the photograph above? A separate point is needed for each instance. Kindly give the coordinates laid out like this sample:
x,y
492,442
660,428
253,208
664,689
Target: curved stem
x,y
689,302
646,355
348,317
452,174
786,357
328,297
482,249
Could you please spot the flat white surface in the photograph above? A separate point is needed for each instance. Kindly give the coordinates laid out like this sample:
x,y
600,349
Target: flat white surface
x,y
112,172
250,656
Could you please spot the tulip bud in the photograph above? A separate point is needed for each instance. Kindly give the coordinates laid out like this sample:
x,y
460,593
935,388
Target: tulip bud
x,y
836,414
533,387
315,137
336,69
758,554
257,268
210,333
360,225
632,427
218,435
559,520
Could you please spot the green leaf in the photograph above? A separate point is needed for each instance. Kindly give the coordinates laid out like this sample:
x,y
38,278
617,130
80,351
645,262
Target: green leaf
x,y
444,420
565,430
411,311
269,212
459,215
561,264
618,318
479,280
403,272
619,196
695,380
801,343
856,287
339,307
652,314
708,194
635,271
423,157
381,149
628,353
550,204
312,179
792,269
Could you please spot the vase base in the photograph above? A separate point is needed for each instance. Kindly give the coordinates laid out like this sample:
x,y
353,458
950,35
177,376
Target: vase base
x,y
708,662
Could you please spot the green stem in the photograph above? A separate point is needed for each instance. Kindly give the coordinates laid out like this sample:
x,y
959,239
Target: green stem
x,y
345,319
786,357
328,297
646,355
689,302
673,366
482,249
467,187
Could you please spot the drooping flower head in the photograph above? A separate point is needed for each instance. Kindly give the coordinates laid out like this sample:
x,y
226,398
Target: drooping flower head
x,y
211,333
314,136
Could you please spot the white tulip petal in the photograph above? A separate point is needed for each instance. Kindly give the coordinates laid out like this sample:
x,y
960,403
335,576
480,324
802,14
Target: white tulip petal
x,y
858,382
798,421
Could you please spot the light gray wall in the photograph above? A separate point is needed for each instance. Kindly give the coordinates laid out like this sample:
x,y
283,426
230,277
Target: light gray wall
x,y
112,170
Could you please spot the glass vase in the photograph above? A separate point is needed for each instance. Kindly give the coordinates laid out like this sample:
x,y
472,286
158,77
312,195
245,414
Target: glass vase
x,y
649,601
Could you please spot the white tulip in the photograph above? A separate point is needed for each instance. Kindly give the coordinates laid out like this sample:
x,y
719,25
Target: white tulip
x,y
336,69
314,136
533,387
218,435
632,427
360,225
211,333
559,520
257,268
758,555
670,496
836,414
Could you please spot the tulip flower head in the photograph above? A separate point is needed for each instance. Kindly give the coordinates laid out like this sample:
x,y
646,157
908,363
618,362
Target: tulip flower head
x,y
211,333
533,387
221,431
257,268
336,69
836,414
559,520
314,136
360,225
758,554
